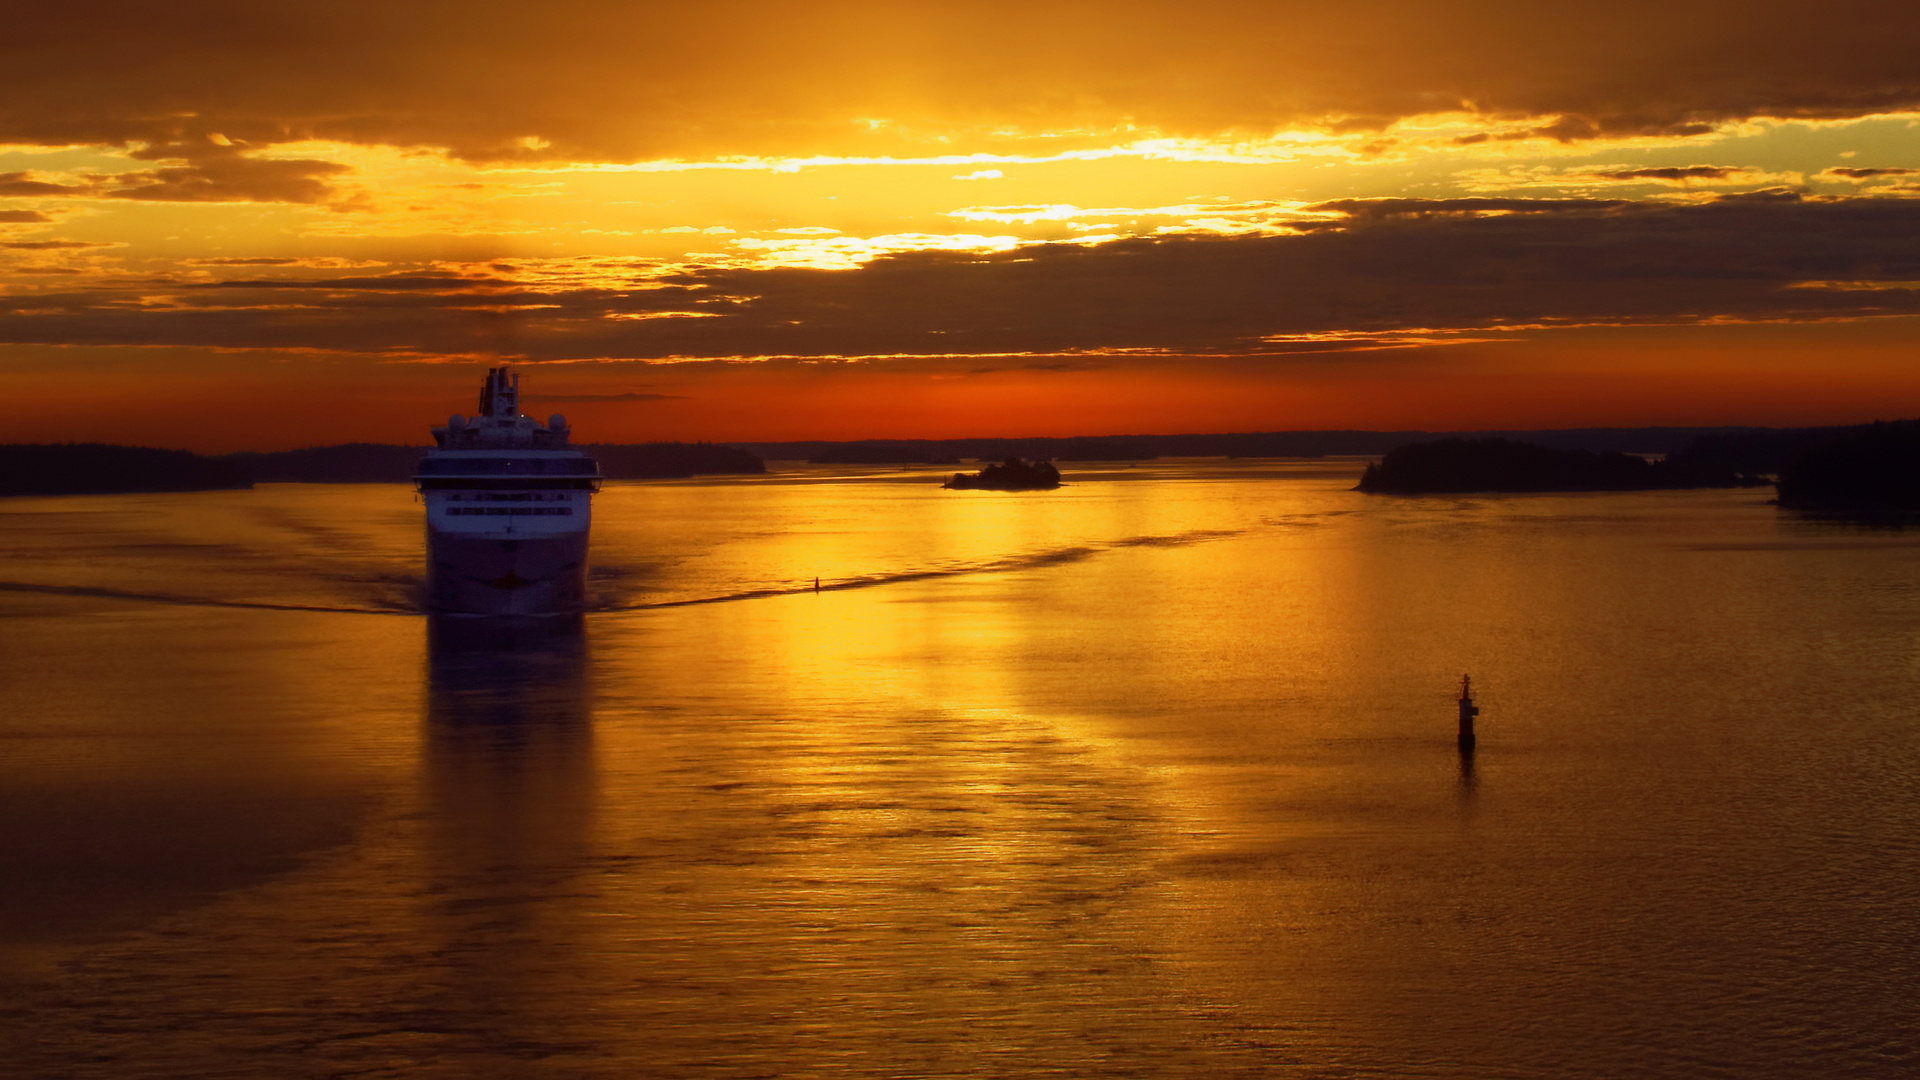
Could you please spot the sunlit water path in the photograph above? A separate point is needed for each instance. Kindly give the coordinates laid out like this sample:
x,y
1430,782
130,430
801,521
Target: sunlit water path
x,y
1150,776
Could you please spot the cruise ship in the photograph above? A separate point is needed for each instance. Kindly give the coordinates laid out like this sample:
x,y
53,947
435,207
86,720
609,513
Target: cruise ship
x,y
509,504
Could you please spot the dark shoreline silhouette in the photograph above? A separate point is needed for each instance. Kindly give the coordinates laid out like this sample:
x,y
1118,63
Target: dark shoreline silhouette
x,y
1870,472
104,469
1266,444
1458,466
52,469
1014,474
381,463
100,469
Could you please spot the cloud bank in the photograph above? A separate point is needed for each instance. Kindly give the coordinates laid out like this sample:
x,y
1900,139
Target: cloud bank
x,y
619,81
1386,269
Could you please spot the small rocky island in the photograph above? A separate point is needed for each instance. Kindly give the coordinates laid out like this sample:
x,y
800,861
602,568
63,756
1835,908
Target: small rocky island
x,y
1014,474
1460,466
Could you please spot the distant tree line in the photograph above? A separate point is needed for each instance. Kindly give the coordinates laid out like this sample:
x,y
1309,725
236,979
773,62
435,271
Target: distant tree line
x,y
1868,471
378,463
1871,471
1268,444
1469,465
348,463
100,469
671,460
96,468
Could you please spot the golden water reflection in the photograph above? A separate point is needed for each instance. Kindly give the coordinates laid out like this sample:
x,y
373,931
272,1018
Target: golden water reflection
x,y
1146,778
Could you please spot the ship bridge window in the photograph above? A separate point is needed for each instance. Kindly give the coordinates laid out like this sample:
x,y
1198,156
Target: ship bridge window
x,y
516,511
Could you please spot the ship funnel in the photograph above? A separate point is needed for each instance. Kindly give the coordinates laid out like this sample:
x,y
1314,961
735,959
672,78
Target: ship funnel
x,y
500,394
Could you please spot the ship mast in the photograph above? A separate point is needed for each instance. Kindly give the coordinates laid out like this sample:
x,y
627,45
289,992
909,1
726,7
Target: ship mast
x,y
498,424
500,394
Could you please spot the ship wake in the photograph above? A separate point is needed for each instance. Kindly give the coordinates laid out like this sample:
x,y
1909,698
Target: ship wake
x,y
400,594
95,592
1039,560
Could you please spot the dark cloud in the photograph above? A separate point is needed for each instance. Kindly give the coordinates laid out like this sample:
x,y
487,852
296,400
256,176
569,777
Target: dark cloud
x,y
1765,195
206,174
1378,209
232,179
1576,127
1682,173
23,185
316,262
1385,269
243,261
566,398
52,245
408,281
22,217
610,79
1865,174
1058,366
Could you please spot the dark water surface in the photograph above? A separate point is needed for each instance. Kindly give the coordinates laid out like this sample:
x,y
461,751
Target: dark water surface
x,y
1150,776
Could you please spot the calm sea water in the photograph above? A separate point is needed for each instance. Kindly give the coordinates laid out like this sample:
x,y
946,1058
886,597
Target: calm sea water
x,y
1150,776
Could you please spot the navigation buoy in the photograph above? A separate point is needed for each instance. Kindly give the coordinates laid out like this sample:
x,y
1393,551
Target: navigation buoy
x,y
1468,710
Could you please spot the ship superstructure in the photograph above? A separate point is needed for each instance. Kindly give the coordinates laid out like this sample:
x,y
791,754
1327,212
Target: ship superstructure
x,y
509,504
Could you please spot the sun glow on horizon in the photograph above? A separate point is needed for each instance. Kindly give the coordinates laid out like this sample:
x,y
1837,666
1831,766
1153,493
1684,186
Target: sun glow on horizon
x,y
1220,224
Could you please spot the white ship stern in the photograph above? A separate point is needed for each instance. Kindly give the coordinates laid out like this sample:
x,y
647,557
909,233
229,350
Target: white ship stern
x,y
509,510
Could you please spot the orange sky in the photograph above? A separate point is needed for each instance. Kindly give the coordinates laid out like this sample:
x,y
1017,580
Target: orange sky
x,y
231,226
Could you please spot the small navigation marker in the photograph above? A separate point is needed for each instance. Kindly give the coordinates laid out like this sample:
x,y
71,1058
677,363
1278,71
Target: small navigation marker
x,y
1468,710
816,584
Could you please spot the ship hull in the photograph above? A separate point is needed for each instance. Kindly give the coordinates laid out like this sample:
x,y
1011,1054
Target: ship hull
x,y
538,575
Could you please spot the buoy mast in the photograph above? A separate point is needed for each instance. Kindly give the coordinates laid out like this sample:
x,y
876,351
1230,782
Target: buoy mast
x,y
1468,710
